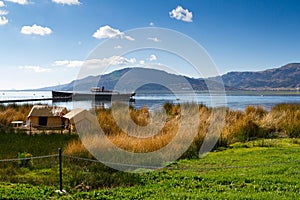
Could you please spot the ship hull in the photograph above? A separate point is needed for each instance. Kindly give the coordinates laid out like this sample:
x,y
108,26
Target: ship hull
x,y
97,96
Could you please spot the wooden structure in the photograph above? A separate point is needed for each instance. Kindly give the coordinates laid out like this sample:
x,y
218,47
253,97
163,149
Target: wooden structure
x,y
74,116
17,124
47,117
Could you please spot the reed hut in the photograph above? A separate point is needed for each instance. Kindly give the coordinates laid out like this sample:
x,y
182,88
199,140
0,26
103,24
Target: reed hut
x,y
83,119
42,116
74,116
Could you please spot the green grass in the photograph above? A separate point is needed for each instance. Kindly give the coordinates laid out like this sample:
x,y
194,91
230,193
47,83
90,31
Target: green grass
x,y
257,169
45,171
13,143
251,170
26,191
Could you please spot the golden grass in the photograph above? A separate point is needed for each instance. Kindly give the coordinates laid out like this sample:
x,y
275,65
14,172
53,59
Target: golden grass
x,y
14,112
283,118
142,145
243,125
75,147
253,122
143,130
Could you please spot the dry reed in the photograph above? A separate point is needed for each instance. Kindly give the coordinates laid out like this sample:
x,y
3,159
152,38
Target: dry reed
x,y
151,131
253,122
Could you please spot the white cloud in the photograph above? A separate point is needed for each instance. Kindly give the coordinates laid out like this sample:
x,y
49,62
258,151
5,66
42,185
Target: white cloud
x,y
3,20
106,32
128,37
21,2
181,14
111,61
154,39
75,63
152,57
118,47
67,2
36,69
109,32
68,63
35,29
151,23
3,12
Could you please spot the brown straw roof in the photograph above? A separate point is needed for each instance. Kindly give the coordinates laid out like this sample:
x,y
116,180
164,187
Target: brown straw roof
x,y
47,111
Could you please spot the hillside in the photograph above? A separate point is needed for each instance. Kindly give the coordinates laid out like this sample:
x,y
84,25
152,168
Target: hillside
x,y
141,74
286,77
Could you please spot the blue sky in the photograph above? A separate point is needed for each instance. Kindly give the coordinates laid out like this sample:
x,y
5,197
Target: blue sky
x,y
44,42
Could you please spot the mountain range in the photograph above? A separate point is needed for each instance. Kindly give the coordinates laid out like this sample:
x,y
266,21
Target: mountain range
x,y
286,77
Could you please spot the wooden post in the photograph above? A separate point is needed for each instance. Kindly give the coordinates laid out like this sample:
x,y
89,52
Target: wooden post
x,y
60,170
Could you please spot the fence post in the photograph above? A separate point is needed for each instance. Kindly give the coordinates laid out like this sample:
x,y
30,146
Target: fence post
x,y
30,127
60,170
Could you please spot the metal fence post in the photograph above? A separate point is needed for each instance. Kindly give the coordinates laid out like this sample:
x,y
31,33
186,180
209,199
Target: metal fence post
x,y
60,169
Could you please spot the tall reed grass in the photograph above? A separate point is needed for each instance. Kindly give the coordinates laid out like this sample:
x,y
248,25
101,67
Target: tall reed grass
x,y
240,126
151,130
14,112
283,118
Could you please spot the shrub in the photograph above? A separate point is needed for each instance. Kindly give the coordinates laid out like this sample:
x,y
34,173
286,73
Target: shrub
x,y
26,160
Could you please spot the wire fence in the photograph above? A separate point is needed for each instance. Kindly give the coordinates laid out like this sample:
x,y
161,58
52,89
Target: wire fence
x,y
234,167
29,158
60,160
32,128
152,167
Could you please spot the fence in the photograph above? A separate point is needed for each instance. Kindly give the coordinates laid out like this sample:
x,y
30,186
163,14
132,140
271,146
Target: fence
x,y
31,128
60,157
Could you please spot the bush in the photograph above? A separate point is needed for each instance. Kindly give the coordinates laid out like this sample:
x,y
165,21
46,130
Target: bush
x,y
25,162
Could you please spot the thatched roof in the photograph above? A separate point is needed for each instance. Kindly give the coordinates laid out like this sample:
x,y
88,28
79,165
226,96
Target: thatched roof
x,y
74,113
47,111
79,114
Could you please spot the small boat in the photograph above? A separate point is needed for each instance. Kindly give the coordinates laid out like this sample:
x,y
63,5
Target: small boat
x,y
96,94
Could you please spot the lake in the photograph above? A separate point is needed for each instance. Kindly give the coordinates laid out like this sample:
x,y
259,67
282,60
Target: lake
x,y
236,100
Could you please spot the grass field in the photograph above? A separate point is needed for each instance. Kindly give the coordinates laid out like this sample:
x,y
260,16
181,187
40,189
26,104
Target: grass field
x,y
262,169
244,164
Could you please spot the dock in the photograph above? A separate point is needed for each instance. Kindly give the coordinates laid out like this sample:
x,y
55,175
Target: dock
x,y
37,99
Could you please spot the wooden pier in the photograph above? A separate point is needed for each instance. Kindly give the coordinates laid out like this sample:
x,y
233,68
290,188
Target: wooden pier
x,y
37,99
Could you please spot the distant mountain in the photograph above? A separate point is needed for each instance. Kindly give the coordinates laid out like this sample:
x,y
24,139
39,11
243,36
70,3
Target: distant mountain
x,y
140,74
284,78
108,80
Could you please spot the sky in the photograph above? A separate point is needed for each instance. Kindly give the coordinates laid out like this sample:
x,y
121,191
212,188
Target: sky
x,y
45,42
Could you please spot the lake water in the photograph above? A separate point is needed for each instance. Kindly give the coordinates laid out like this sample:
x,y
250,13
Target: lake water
x,y
234,100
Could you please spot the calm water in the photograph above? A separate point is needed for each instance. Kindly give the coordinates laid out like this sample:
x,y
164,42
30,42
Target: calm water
x,y
234,100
